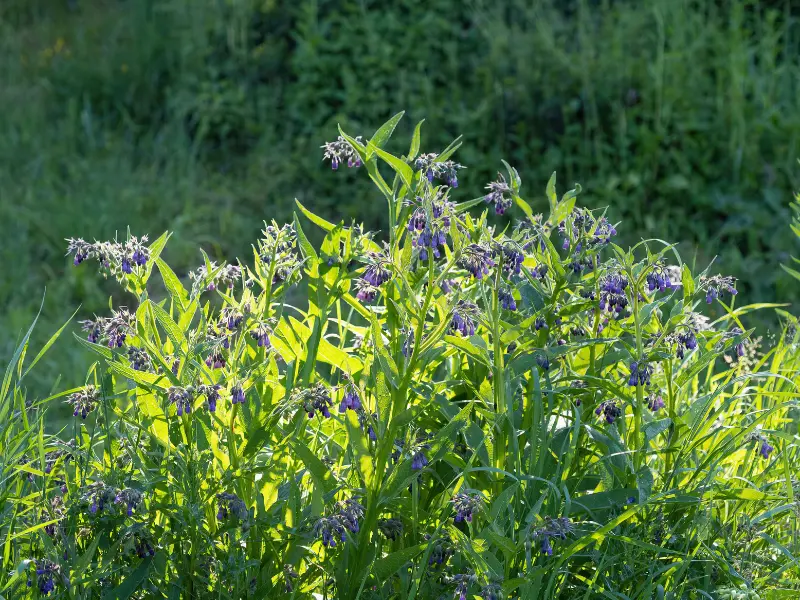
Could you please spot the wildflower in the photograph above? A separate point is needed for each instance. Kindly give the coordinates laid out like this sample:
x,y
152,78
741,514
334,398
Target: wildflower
x,y
476,259
98,496
612,293
237,395
553,528
442,550
658,279
84,401
510,257
350,512
289,575
231,318
350,400
492,591
315,399
277,251
543,362
447,285
218,277
390,528
131,498
329,529
640,374
139,359
419,461
465,505
499,194
506,298
231,506
716,286
540,271
46,572
446,171
143,544
95,329
766,449
463,581
655,402
366,291
378,270
686,340
261,334
363,421
341,151
540,323
211,392
430,239
408,342
345,518
215,360
181,398
609,411
464,315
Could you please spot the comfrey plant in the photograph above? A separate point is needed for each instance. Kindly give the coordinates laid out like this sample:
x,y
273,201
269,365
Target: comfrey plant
x,y
461,409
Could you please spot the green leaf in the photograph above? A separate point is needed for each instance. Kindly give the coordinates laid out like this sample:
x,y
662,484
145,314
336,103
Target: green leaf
x,y
687,282
450,150
126,589
305,246
550,192
173,284
156,248
389,565
317,220
320,474
415,141
384,132
404,170
49,343
644,482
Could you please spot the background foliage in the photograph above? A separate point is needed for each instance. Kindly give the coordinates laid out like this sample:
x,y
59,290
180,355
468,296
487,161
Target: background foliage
x,y
204,117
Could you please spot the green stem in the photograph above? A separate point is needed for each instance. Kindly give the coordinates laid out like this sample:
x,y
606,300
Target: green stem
x,y
637,409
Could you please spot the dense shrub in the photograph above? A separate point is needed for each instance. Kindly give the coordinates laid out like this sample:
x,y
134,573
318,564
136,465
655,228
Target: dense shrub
x,y
459,411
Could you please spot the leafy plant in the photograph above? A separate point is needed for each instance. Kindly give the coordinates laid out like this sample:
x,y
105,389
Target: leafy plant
x,y
458,410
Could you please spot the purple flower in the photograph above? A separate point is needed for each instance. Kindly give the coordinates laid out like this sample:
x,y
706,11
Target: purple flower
x,y
609,411
215,360
181,398
465,505
261,335
126,265
543,362
419,461
659,280
507,301
341,151
766,449
640,374
84,401
464,316
237,395
499,194
350,400
477,260
612,293
366,291
231,506
655,402
315,399
211,392
553,528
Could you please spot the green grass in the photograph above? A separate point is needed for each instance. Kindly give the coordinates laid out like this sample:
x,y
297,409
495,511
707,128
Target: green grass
x,y
204,118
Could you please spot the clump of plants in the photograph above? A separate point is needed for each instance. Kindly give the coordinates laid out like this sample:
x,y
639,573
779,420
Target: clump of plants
x,y
455,411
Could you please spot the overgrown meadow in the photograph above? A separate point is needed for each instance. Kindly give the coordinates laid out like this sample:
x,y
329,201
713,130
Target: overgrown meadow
x,y
455,412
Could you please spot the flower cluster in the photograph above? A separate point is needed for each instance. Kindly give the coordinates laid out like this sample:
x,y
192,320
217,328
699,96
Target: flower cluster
x,y
685,340
182,398
84,401
499,194
441,551
506,297
99,497
129,497
640,374
390,528
466,504
341,152
350,399
260,333
277,251
231,506
47,573
214,278
211,392
465,313
655,402
139,359
112,330
377,272
237,395
117,258
315,399
476,259
612,293
609,411
346,517
717,286
445,171
659,279
553,528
